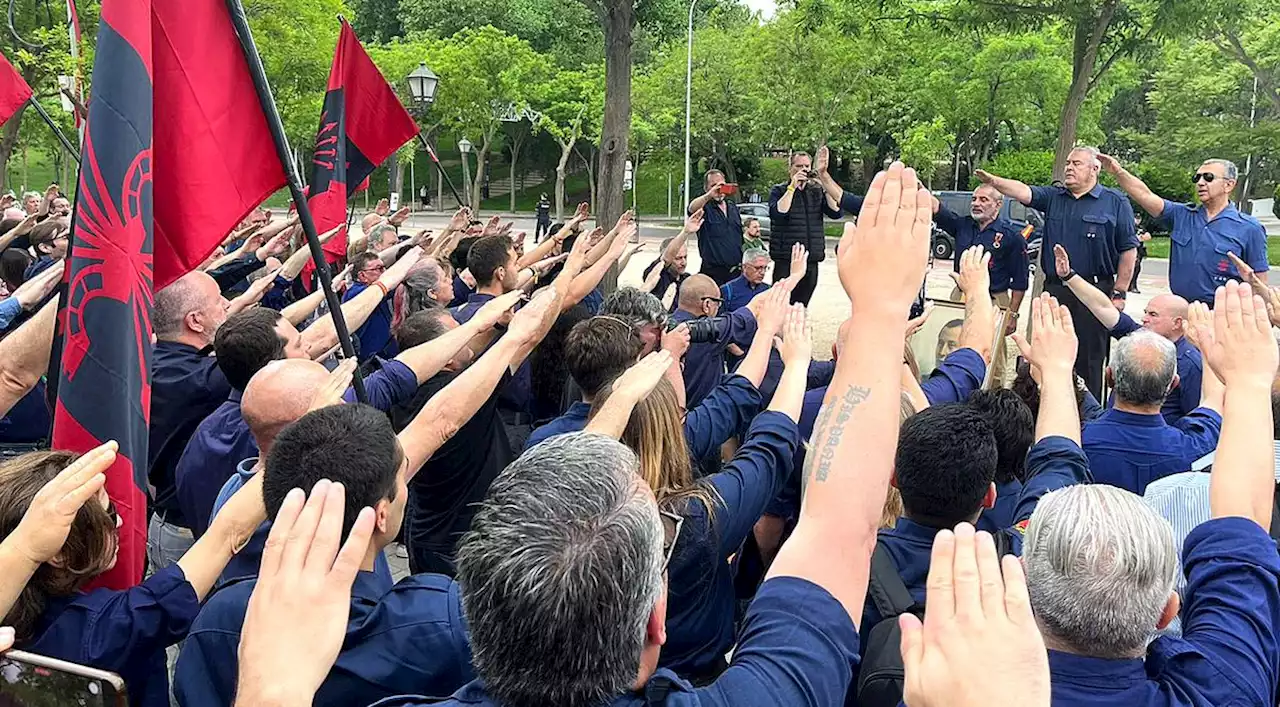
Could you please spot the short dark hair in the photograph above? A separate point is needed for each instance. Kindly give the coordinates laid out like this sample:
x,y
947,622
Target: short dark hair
x,y
246,343
1025,387
750,220
1014,428
486,256
946,462
352,444
599,350
361,260
46,231
458,258
420,327
13,267
1275,413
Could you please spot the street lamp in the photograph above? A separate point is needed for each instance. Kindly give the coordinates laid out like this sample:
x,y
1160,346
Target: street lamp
x,y
464,147
688,103
422,85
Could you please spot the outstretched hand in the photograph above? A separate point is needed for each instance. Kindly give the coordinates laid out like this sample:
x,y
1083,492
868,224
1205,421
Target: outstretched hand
x,y
1240,348
1052,347
882,259
1061,261
47,523
974,278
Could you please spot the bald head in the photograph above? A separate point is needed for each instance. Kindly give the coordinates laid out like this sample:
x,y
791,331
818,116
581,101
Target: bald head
x,y
279,395
1166,315
1143,367
694,291
189,310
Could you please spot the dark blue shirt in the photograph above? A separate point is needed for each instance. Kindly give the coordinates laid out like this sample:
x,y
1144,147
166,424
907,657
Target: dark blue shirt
x,y
224,439
1198,262
1001,515
704,363
851,204
720,238
1229,649
796,648
375,334
1185,397
186,387
1001,238
409,637
125,632
461,291
1095,229
955,379
1130,450
738,293
573,420
1052,463
665,280
37,266
518,393
29,420
700,595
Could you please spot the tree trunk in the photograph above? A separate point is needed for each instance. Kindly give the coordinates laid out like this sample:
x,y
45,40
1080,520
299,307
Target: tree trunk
x,y
7,143
478,181
517,141
1089,32
618,20
589,162
566,148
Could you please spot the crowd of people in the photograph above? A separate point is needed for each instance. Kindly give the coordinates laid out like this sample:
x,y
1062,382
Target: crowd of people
x,y
663,495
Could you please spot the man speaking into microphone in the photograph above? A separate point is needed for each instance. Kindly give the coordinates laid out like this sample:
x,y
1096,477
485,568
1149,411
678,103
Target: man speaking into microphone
x,y
796,213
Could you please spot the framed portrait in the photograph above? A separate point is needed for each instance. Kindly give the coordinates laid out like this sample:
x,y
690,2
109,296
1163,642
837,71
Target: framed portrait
x,y
940,335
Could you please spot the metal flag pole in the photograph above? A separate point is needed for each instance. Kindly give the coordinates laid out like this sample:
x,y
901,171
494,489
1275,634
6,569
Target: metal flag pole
x,y
48,120
284,154
432,153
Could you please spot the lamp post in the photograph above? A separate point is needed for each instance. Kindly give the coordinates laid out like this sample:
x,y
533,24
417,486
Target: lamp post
x,y
423,83
464,147
688,102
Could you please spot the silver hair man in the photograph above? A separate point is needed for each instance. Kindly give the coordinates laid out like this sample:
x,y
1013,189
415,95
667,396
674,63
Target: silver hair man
x,y
1093,152
1143,368
1229,169
561,574
750,255
1100,571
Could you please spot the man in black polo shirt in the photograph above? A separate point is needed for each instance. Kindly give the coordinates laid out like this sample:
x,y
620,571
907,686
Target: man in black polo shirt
x,y
1095,226
720,238
796,211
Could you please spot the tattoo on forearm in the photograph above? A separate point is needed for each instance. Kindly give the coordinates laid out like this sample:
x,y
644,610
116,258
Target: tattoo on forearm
x,y
819,466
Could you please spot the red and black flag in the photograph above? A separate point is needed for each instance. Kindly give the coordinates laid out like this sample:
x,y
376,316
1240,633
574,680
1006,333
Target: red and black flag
x,y
104,385
361,125
14,91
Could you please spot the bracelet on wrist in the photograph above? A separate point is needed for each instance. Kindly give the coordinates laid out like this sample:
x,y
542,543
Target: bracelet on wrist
x,y
382,286
1070,274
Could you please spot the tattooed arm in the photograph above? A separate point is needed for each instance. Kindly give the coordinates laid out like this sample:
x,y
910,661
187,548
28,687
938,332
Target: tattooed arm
x,y
846,475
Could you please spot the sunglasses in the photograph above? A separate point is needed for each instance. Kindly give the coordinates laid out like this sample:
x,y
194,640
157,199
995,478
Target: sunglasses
x,y
1208,177
671,525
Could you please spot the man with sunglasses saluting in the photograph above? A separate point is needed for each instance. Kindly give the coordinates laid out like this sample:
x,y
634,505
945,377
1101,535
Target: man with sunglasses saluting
x,y
1202,235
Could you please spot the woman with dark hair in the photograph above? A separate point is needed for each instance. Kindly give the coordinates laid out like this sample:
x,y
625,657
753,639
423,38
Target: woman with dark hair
x,y
126,631
13,268
718,511
553,390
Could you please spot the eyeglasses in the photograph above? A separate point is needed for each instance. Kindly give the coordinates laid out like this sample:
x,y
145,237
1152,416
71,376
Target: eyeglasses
x,y
717,300
112,513
375,268
1208,177
671,525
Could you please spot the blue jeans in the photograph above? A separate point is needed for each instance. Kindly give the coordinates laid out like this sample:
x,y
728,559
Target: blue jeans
x,y
166,542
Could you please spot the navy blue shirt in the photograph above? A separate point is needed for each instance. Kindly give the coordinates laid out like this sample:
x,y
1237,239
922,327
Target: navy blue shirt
x,y
518,393
573,420
461,291
1198,262
1130,450
1052,463
796,648
665,280
704,363
409,637
1095,229
186,387
738,293
29,420
1229,649
1001,515
1001,238
955,379
223,440
851,204
1186,396
720,237
125,632
375,334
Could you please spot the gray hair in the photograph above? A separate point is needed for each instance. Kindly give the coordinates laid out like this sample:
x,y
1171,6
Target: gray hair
x,y
423,278
751,254
1093,153
173,304
375,233
1229,169
1100,568
28,194
636,307
710,174
560,573
1144,365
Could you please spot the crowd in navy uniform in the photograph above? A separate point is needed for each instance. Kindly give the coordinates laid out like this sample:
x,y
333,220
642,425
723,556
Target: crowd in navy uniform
x,y
665,496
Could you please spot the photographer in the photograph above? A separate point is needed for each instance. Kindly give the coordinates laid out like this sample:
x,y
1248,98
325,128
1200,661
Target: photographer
x,y
796,212
699,304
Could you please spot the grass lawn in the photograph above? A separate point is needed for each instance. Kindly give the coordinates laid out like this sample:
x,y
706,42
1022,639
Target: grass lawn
x,y
1158,247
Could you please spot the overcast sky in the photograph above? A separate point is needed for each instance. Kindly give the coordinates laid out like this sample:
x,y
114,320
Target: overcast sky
x,y
766,7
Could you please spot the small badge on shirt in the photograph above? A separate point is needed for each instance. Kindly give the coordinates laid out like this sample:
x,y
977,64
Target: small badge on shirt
x,y
1021,526
999,237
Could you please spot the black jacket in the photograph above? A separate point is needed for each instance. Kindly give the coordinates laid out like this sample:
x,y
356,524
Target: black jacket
x,y
802,224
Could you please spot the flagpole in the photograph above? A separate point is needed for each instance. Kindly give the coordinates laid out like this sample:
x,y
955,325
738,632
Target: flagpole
x,y
432,154
284,154
48,119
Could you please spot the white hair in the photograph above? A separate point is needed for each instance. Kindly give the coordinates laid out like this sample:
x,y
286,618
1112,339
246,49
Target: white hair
x,y
1101,566
1092,151
751,254
1140,377
1229,169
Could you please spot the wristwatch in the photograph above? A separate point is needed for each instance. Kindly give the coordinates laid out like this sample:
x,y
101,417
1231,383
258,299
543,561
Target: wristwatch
x,y
1070,274
1118,294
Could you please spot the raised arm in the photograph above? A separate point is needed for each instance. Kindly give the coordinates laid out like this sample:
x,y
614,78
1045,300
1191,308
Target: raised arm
x,y
1052,351
881,262
974,280
691,225
24,356
322,335
24,227
699,203
1212,391
1134,187
300,311
228,532
590,278
1098,302
1009,187
1241,350
771,313
796,349
427,359
548,245
631,387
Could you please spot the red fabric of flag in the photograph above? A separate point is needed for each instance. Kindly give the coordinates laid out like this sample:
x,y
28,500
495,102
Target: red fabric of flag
x,y
14,91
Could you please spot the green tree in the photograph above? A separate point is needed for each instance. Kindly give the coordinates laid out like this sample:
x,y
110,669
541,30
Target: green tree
x,y
378,20
564,29
567,102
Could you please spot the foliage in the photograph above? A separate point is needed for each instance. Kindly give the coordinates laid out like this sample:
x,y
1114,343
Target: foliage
x,y
1029,166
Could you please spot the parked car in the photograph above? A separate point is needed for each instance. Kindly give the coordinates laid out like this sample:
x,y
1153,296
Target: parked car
x,y
944,245
759,212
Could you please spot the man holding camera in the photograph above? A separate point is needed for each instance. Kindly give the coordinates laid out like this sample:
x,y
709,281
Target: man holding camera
x,y
796,211
720,237
709,334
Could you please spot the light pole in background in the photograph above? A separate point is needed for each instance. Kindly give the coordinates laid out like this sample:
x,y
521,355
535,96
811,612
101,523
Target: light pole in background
x,y
688,102
423,83
464,147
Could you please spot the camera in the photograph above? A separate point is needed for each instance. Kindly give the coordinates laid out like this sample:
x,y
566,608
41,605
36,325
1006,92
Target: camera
x,y
705,330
